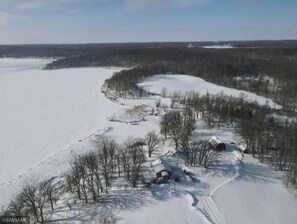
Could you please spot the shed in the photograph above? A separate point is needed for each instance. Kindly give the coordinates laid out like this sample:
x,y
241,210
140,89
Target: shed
x,y
162,169
216,144
243,149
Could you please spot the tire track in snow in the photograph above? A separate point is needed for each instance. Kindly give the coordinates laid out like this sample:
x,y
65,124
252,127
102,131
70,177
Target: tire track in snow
x,y
204,217
211,210
208,205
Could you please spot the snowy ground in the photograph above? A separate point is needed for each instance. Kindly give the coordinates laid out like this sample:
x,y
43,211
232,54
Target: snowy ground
x,y
257,195
49,116
186,83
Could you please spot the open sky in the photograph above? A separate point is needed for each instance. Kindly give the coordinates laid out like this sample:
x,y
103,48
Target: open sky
x,y
102,21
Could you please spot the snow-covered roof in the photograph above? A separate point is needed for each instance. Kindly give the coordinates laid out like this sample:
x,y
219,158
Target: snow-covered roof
x,y
216,140
242,147
164,173
156,162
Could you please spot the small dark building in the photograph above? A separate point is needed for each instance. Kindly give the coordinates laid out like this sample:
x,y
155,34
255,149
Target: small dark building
x,y
216,144
243,149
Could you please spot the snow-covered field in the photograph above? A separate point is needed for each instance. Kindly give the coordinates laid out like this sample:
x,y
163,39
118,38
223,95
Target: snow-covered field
x,y
46,117
218,46
188,83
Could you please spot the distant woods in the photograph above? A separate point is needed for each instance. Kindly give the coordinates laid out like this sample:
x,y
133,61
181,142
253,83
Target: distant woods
x,y
266,72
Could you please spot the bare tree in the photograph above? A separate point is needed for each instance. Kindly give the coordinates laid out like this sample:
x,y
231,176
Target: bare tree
x,y
29,195
158,103
199,153
91,162
174,126
17,206
210,156
83,172
125,160
248,133
106,151
137,154
51,191
41,198
73,179
132,157
164,92
153,141
164,125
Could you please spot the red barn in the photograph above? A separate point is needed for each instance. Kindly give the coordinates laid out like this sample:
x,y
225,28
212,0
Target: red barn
x,y
216,144
243,149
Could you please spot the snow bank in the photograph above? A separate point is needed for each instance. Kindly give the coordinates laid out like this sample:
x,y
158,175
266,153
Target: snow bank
x,y
186,83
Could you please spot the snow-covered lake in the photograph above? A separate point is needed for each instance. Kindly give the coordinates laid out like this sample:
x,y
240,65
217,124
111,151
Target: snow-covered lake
x,y
44,111
47,115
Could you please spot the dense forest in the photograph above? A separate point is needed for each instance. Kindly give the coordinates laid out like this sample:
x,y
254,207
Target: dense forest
x,y
68,50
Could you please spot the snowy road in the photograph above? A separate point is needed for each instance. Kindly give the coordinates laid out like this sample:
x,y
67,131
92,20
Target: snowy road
x,y
207,206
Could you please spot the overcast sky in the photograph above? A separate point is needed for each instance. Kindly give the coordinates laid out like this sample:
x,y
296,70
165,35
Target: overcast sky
x,y
103,21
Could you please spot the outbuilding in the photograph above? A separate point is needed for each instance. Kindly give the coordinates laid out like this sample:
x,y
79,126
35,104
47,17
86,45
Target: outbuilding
x,y
162,169
216,144
243,149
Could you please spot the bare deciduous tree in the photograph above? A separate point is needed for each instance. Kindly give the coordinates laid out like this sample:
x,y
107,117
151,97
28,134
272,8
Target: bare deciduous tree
x,y
17,206
73,179
51,192
29,195
153,141
41,198
164,92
